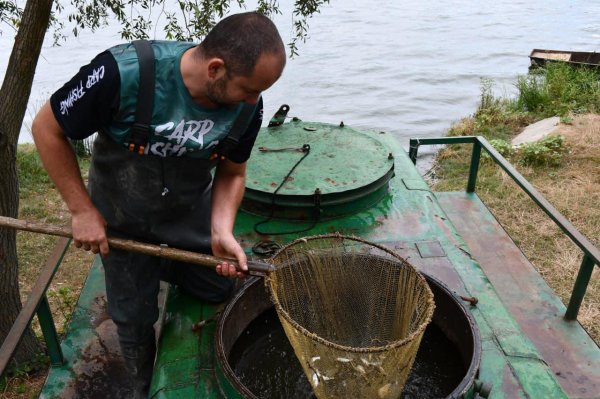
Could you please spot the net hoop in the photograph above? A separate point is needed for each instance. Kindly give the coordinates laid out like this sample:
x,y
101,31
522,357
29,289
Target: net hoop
x,y
371,349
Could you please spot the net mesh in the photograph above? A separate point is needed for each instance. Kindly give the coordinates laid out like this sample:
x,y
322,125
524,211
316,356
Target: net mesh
x,y
353,311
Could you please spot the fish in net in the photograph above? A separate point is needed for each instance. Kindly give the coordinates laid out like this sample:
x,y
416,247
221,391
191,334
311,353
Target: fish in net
x,y
353,311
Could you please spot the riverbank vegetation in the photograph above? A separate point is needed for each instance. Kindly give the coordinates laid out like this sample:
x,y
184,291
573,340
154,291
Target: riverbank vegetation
x,y
564,167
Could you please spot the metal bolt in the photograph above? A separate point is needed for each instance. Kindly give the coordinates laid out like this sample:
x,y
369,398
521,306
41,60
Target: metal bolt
x,y
199,325
471,299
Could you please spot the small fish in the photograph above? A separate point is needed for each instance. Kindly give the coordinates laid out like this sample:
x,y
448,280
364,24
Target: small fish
x,y
316,376
384,391
368,363
376,365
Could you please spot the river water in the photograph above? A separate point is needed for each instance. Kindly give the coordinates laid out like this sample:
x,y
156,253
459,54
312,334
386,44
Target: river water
x,y
409,67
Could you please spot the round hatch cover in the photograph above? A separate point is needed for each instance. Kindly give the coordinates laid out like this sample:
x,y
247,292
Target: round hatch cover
x,y
342,165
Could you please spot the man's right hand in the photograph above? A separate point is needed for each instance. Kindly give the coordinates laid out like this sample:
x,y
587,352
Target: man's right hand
x,y
88,225
89,231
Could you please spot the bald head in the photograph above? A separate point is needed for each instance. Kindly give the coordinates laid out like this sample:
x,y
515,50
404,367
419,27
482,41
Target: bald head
x,y
240,40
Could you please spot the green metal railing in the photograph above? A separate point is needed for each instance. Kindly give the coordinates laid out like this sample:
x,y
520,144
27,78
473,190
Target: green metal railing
x,y
591,254
37,302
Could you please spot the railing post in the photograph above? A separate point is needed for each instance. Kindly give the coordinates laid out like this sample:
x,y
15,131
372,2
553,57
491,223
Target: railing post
x,y
50,336
581,283
36,297
475,156
413,149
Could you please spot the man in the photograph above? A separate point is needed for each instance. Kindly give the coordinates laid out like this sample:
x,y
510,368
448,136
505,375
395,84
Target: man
x,y
164,192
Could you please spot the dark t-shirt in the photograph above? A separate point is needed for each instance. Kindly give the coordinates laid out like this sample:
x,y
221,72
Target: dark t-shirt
x,y
89,101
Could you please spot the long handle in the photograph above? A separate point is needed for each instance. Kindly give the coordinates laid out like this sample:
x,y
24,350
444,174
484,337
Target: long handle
x,y
254,267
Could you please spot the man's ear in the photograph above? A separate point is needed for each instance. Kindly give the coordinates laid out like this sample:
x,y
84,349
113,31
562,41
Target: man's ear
x,y
216,68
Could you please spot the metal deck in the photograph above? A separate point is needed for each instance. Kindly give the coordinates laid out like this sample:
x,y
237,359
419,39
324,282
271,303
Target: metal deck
x,y
566,347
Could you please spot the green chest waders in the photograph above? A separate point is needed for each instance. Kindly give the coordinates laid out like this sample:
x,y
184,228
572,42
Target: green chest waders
x,y
160,201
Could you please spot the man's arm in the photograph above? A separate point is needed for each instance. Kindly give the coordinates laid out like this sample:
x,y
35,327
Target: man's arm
x,y
227,194
89,227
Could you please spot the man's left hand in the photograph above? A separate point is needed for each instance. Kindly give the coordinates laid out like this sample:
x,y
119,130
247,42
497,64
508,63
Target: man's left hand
x,y
227,246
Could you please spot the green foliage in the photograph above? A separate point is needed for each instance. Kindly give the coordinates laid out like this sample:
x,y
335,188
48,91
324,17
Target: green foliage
x,y
503,147
66,301
532,95
187,20
83,148
33,180
489,108
545,152
23,370
487,97
36,363
558,89
496,117
32,175
567,120
10,13
304,9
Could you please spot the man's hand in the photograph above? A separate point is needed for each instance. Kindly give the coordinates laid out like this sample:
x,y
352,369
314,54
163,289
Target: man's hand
x,y
88,226
89,231
225,245
227,193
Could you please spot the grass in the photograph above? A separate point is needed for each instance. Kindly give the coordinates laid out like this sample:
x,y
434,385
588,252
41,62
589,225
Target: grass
x,y
565,168
559,90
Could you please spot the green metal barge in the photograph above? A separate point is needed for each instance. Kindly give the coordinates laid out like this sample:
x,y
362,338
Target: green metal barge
x,y
359,183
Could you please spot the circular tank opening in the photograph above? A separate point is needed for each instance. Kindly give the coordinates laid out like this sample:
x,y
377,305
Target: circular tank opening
x,y
255,359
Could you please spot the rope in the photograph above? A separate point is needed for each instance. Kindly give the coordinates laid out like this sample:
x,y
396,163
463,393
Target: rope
x,y
317,195
266,248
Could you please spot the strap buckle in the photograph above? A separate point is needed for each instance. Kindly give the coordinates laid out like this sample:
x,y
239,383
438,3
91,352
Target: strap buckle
x,y
139,137
137,148
224,148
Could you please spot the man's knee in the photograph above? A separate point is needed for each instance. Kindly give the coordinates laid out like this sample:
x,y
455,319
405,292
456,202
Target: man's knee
x,y
203,283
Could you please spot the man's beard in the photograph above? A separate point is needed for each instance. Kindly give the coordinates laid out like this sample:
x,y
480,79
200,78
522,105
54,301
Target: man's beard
x,y
215,92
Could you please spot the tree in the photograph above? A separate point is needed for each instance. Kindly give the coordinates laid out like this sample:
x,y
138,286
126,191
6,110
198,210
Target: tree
x,y
14,95
186,20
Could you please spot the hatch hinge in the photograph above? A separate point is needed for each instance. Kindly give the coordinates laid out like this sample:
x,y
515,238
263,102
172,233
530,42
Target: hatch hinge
x,y
280,115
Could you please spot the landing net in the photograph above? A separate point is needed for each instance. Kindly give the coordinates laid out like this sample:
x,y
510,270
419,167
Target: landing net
x,y
354,312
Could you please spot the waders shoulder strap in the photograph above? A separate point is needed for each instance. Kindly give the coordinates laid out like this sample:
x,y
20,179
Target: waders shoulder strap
x,y
236,132
140,130
145,99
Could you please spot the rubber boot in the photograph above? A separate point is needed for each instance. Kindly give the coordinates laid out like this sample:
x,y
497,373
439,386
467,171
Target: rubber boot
x,y
140,363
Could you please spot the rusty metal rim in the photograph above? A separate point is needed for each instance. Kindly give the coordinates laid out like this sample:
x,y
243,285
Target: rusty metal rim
x,y
222,365
467,382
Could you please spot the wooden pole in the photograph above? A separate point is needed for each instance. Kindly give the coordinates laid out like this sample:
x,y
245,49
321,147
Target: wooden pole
x,y
256,267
